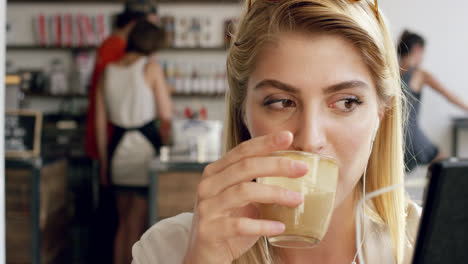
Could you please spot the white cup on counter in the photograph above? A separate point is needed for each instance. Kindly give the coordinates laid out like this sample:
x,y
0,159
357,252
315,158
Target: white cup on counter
x,y
164,154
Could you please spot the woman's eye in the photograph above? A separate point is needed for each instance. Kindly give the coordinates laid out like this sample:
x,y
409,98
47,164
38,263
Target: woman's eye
x,y
279,104
347,104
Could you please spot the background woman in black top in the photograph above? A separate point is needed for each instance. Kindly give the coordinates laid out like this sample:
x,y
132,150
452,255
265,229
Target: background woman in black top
x,y
419,150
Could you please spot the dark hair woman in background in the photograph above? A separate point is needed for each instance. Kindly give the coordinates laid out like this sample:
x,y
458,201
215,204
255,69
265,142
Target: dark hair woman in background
x,y
419,150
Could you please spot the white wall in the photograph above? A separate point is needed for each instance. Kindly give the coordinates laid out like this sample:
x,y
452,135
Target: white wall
x,y
444,26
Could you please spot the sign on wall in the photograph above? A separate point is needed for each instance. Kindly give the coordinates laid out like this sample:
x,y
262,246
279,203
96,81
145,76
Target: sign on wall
x,y
22,134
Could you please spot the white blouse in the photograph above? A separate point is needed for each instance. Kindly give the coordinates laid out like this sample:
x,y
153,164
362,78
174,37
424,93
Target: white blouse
x,y
166,241
129,99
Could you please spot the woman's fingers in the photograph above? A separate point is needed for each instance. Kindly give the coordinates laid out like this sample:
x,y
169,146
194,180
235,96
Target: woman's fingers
x,y
243,194
250,169
255,147
239,227
227,186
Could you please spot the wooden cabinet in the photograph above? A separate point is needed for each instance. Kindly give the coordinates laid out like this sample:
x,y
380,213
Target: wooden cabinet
x,y
173,187
176,192
36,211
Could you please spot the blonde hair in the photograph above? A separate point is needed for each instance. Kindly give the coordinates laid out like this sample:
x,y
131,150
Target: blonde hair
x,y
358,24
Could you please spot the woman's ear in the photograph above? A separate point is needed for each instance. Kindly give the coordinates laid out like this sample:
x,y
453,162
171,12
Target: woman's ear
x,y
377,123
381,114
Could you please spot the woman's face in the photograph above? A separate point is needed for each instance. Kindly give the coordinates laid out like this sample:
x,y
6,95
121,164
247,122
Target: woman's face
x,y
317,87
417,55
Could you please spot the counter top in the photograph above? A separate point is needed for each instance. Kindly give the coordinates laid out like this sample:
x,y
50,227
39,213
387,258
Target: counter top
x,y
184,163
458,123
30,162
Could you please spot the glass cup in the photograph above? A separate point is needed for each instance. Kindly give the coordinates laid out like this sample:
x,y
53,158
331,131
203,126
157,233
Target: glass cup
x,y
306,224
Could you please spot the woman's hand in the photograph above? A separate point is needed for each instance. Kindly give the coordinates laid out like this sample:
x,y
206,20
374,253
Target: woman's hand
x,y
225,223
165,131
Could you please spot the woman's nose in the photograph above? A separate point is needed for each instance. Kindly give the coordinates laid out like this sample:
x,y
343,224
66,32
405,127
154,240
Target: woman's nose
x,y
310,133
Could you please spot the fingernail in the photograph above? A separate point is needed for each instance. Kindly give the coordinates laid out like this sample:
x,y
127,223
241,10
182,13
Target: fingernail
x,y
282,138
277,227
300,166
294,195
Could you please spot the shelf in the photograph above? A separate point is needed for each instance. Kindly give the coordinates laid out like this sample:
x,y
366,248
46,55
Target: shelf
x,y
178,95
12,79
41,48
182,95
196,49
38,47
122,1
44,95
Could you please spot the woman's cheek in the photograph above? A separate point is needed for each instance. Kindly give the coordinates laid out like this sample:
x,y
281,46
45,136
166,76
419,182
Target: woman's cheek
x,y
260,124
352,151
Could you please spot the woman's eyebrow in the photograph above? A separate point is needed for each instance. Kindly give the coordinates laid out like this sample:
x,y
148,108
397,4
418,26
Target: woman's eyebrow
x,y
328,90
345,85
277,84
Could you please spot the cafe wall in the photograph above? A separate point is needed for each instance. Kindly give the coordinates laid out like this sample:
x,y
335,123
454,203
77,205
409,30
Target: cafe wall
x,y
443,24
20,18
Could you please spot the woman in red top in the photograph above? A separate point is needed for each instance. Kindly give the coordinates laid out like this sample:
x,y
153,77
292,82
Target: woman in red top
x,y
111,50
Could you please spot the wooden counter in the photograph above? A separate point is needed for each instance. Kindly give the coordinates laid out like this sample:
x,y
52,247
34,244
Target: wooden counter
x,y
36,212
172,187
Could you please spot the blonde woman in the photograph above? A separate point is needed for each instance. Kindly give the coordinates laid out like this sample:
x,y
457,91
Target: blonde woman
x,y
311,75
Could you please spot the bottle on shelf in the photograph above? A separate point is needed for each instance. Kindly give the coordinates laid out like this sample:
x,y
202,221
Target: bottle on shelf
x,y
220,80
196,88
199,78
177,79
58,78
187,79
